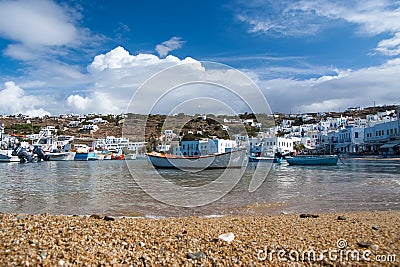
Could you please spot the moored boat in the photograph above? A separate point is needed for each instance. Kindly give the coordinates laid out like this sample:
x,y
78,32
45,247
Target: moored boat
x,y
313,160
92,156
82,152
117,156
6,156
232,159
265,159
260,158
81,156
61,156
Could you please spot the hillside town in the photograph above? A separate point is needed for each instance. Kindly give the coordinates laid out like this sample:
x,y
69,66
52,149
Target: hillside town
x,y
373,131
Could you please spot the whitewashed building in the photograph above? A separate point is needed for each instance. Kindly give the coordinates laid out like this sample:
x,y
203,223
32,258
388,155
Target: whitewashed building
x,y
379,134
271,145
204,147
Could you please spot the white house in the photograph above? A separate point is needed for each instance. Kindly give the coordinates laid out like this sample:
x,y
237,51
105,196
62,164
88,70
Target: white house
x,y
90,127
379,134
204,147
271,145
98,120
74,124
163,147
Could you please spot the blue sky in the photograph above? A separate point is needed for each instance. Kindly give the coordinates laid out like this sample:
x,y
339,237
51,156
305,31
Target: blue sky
x,y
91,56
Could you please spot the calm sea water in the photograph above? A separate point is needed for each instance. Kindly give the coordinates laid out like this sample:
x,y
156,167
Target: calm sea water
x,y
107,187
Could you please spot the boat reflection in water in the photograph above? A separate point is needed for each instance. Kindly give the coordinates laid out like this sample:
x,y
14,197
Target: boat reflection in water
x,y
313,160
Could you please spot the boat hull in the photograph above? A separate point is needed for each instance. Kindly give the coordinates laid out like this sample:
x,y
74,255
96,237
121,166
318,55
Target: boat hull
x,y
61,156
313,160
265,159
6,156
92,156
81,156
232,159
118,157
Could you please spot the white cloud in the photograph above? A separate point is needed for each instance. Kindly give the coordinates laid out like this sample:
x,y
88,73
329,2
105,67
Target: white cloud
x,y
348,88
38,22
115,76
373,17
42,30
14,100
119,58
390,47
308,17
98,102
172,44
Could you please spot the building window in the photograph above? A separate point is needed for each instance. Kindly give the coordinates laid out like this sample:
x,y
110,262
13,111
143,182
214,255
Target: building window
x,y
356,135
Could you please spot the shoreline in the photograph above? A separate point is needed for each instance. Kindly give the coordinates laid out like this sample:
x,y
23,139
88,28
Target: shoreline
x,y
64,240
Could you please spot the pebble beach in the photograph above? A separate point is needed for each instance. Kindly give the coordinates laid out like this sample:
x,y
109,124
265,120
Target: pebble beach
x,y
331,239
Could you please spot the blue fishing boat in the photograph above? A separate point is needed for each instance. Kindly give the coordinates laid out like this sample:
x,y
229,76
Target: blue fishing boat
x,y
81,156
313,160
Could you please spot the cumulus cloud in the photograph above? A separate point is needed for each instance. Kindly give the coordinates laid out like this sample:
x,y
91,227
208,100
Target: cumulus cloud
x,y
119,58
98,102
118,75
172,44
115,76
330,93
14,100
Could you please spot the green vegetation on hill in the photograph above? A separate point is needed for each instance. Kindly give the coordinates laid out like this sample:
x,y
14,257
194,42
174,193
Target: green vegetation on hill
x,y
22,128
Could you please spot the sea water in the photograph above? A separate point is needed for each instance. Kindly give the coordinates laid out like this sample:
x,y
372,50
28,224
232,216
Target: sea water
x,y
111,188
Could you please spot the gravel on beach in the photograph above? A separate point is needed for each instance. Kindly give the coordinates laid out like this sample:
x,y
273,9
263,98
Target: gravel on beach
x,y
332,239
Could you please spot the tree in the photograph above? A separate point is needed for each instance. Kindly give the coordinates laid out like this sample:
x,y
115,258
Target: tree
x,y
299,146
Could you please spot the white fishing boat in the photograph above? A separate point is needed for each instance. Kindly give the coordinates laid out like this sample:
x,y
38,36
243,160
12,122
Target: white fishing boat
x,y
232,159
60,156
6,156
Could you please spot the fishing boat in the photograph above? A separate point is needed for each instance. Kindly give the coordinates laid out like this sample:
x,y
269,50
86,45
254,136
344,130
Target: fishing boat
x,y
265,159
313,160
117,156
232,159
82,152
6,156
277,158
92,156
61,156
260,158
